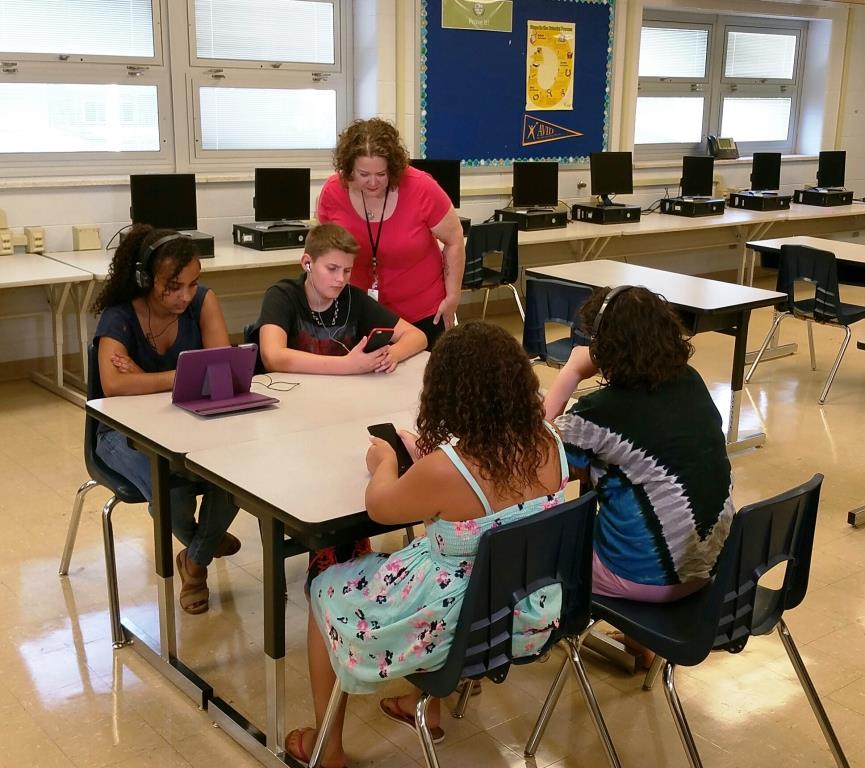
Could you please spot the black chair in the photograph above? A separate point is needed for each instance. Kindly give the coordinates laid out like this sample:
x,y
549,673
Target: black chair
x,y
734,607
485,241
800,264
554,546
553,301
121,489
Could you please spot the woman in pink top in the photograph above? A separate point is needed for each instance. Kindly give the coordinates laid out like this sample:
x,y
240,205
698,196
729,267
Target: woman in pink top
x,y
398,215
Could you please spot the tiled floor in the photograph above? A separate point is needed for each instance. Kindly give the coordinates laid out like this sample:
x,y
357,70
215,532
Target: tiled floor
x,y
67,700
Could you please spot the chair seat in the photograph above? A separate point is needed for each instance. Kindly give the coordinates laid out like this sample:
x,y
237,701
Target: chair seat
x,y
491,278
847,313
559,351
669,632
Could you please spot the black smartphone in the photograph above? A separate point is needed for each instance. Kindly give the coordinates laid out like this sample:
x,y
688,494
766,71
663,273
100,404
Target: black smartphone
x,y
377,338
387,432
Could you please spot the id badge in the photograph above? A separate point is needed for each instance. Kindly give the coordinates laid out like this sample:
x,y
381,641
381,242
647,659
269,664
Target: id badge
x,y
373,293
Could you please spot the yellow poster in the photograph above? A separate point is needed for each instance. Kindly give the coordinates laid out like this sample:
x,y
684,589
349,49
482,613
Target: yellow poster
x,y
550,65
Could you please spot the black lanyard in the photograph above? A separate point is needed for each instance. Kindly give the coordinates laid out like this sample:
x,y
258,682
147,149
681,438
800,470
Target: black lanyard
x,y
373,244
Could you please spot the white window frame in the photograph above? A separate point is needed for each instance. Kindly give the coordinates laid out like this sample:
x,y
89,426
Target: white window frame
x,y
24,68
261,74
227,79
339,11
716,85
678,86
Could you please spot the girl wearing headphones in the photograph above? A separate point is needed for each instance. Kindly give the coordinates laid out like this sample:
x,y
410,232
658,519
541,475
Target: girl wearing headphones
x,y
650,441
153,308
319,323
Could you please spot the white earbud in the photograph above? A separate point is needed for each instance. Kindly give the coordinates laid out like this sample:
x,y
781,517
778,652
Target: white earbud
x,y
307,266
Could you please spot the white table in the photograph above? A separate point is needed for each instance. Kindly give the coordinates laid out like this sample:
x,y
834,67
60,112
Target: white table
x,y
703,304
28,270
270,460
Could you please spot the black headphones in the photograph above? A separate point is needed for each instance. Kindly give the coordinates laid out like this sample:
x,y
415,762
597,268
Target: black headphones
x,y
143,277
596,324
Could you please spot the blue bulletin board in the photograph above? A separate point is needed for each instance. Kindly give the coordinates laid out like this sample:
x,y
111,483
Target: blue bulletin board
x,y
475,84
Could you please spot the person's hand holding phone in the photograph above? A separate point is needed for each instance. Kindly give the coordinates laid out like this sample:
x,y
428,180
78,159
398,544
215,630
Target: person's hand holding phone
x,y
358,361
409,440
387,445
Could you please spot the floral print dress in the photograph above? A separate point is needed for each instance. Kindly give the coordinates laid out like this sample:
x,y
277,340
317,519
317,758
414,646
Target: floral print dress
x,y
388,616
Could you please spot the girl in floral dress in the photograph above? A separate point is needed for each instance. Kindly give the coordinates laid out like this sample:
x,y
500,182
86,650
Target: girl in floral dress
x,y
484,457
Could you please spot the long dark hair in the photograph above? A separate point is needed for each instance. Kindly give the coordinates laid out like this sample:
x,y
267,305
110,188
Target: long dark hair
x,y
641,342
479,387
120,287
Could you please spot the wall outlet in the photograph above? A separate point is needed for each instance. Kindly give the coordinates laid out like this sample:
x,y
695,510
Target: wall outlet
x,y
86,237
6,246
35,239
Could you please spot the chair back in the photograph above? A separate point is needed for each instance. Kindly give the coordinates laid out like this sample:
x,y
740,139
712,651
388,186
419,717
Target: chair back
x,y
764,534
818,268
513,561
96,468
552,301
492,237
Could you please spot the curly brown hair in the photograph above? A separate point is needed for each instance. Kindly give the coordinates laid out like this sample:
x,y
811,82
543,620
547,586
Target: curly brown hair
x,y
640,343
120,286
371,138
479,387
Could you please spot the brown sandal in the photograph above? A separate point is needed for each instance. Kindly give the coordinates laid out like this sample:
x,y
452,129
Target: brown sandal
x,y
194,594
294,744
391,708
230,545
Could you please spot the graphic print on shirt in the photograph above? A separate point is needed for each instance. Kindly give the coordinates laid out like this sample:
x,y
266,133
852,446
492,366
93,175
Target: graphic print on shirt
x,y
645,496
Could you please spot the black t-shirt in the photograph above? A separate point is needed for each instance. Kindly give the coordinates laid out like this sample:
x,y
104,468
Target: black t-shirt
x,y
332,332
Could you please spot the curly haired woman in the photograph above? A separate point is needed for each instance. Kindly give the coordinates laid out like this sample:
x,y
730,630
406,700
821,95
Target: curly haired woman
x,y
398,215
484,456
152,308
651,443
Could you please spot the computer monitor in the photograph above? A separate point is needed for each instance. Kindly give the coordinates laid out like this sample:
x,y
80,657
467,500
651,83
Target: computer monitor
x,y
697,172
536,184
766,171
164,200
611,174
830,168
281,194
445,172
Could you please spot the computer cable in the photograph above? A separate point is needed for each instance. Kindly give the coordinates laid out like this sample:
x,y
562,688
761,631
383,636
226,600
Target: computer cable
x,y
111,239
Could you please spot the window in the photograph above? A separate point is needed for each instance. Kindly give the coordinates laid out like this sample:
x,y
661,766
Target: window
x,y
731,76
90,84
299,93
84,82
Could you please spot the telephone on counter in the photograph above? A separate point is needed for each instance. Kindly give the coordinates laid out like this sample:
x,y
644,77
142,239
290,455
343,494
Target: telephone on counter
x,y
722,148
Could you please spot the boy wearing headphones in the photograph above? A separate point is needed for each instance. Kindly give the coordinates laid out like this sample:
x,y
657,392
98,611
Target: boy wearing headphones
x,y
319,323
151,309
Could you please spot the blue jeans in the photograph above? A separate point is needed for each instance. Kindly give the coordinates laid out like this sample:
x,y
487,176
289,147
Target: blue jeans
x,y
202,537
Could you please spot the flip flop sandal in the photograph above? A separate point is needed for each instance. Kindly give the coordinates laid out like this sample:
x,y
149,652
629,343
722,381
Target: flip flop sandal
x,y
194,594
230,545
390,708
294,747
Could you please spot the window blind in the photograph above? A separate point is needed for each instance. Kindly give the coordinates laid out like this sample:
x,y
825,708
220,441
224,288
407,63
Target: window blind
x,y
674,52
760,55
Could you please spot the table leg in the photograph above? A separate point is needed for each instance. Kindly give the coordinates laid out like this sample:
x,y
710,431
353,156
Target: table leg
x,y
57,296
83,302
159,473
274,630
737,379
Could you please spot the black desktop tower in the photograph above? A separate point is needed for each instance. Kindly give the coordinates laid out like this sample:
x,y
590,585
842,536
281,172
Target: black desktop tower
x,y
760,201
823,197
605,214
693,206
267,237
528,219
466,225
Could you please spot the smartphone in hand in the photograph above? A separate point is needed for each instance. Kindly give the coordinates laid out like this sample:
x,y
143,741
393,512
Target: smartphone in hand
x,y
377,338
387,432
